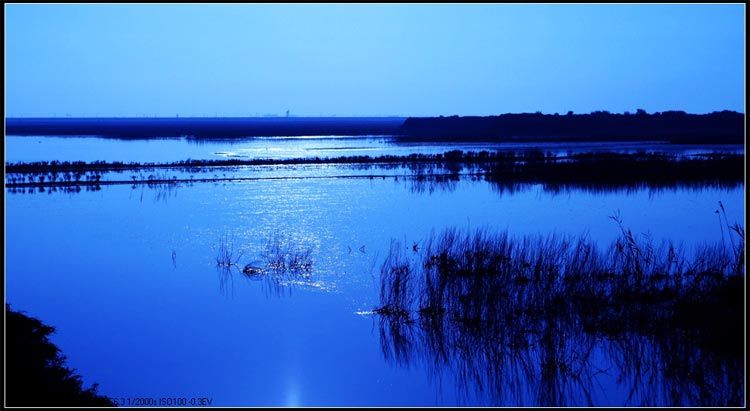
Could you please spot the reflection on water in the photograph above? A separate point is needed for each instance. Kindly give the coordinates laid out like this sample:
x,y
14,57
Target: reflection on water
x,y
552,361
421,184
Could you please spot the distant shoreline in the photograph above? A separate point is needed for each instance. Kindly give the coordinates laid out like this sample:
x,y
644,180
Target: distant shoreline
x,y
207,128
677,127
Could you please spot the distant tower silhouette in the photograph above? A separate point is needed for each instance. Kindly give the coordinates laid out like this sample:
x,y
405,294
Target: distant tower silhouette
x,y
287,113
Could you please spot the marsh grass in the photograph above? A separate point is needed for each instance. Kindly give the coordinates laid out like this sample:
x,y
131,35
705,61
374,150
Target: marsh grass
x,y
226,256
283,262
285,256
478,277
529,319
503,170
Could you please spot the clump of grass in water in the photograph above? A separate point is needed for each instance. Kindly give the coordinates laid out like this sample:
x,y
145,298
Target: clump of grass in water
x,y
226,257
283,255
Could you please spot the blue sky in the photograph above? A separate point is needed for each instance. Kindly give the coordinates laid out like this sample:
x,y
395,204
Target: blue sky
x,y
371,60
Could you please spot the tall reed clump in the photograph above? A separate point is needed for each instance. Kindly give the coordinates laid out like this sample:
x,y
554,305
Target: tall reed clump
x,y
481,277
226,256
396,293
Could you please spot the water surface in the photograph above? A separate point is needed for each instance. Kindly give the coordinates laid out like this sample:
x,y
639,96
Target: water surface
x,y
48,148
128,275
129,278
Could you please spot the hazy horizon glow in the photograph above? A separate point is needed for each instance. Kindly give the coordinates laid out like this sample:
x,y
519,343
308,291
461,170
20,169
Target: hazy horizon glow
x,y
371,60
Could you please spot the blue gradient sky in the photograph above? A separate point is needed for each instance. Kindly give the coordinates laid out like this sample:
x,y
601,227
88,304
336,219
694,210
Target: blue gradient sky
x,y
360,60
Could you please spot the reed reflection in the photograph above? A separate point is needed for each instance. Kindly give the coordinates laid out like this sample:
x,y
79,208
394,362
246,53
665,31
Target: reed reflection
x,y
556,321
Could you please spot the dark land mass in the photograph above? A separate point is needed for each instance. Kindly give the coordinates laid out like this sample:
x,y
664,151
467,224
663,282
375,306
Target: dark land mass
x,y
35,369
207,128
725,127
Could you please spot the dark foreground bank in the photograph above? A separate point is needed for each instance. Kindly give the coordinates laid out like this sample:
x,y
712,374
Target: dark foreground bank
x,y
36,374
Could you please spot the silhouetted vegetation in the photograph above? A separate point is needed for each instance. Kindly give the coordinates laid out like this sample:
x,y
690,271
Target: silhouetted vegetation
x,y
507,171
226,256
673,126
283,261
81,167
522,166
283,255
490,307
477,275
36,374
725,127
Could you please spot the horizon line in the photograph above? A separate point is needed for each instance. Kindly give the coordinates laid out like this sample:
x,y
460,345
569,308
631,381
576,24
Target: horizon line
x,y
273,116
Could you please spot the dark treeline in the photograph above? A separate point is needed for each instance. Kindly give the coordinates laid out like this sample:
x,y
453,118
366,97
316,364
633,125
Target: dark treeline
x,y
204,127
725,127
36,374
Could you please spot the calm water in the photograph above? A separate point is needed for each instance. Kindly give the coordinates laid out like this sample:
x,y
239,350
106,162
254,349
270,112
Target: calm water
x,y
128,277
